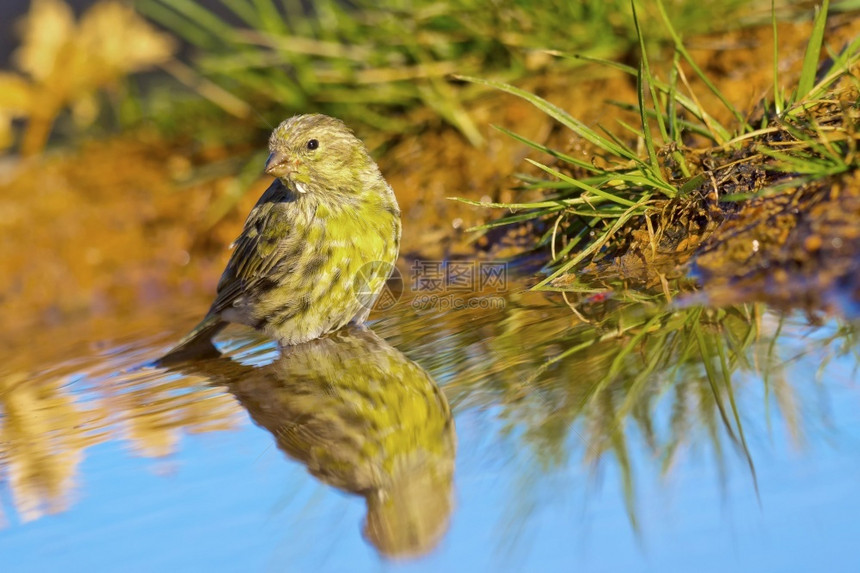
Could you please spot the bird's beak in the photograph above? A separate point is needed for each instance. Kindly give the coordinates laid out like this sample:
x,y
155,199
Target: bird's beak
x,y
277,165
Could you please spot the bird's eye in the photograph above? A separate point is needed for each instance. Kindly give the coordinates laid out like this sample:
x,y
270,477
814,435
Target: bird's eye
x,y
313,144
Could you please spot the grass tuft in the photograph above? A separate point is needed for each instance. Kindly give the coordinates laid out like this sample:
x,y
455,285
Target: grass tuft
x,y
810,137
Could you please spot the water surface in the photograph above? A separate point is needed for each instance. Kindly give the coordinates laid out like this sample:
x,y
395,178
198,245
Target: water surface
x,y
494,430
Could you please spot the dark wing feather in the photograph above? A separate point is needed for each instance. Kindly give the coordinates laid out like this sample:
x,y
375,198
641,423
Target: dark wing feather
x,y
258,250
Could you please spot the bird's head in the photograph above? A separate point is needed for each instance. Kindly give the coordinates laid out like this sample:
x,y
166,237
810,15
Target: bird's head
x,y
315,153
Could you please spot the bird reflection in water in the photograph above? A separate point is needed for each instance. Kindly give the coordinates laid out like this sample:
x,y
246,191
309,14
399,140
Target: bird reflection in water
x,y
362,417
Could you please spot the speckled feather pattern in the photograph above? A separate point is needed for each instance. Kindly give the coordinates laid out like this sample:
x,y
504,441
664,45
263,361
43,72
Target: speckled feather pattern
x,y
294,270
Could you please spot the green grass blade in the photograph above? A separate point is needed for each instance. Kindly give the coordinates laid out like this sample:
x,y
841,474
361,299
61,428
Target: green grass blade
x,y
178,23
556,113
679,46
727,381
513,219
582,186
777,96
244,11
813,52
647,182
595,245
644,77
552,152
271,19
842,64
677,123
685,101
203,18
557,203
646,128
706,354
671,103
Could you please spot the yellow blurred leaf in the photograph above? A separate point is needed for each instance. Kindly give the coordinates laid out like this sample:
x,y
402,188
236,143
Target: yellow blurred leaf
x,y
16,94
66,62
6,136
46,31
121,40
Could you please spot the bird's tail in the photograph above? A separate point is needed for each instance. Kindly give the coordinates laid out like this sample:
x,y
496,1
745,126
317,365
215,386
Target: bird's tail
x,y
197,344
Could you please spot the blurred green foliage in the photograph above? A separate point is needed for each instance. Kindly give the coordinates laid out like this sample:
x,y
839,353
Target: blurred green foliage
x,y
370,62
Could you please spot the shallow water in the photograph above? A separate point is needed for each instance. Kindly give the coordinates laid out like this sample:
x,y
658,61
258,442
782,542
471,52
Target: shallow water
x,y
613,436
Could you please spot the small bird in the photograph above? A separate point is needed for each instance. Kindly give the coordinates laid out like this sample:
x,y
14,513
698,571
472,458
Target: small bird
x,y
316,249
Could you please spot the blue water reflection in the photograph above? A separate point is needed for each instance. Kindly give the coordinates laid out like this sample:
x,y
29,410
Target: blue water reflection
x,y
534,487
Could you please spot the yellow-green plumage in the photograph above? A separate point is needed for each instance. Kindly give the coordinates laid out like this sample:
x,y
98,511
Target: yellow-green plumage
x,y
295,269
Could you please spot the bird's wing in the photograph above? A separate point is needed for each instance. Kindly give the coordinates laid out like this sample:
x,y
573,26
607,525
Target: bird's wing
x,y
268,236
